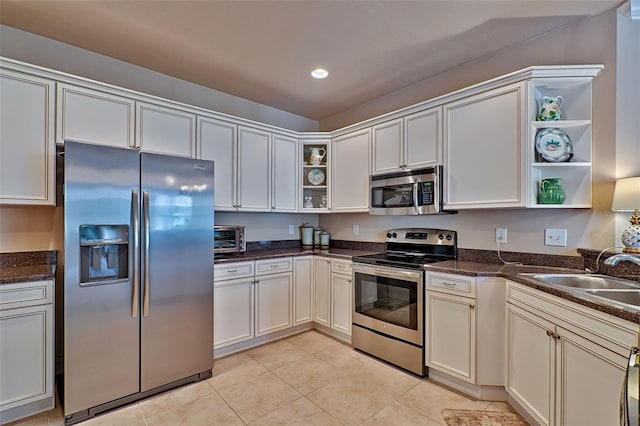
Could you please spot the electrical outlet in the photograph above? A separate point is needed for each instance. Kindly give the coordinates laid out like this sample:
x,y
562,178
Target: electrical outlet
x,y
356,229
501,235
555,237
292,230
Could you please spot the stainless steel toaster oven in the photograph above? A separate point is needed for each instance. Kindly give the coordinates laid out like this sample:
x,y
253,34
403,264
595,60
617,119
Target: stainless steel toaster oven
x,y
229,239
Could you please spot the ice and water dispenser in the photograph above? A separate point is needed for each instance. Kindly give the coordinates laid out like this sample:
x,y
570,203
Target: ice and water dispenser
x,y
104,254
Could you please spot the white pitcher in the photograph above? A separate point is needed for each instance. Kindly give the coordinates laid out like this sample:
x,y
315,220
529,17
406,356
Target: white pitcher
x,y
317,155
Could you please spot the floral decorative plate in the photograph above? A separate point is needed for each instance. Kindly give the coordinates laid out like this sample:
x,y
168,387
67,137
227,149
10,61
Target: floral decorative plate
x,y
554,145
316,177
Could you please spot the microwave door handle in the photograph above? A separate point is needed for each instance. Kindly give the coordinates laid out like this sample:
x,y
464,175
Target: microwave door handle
x,y
416,207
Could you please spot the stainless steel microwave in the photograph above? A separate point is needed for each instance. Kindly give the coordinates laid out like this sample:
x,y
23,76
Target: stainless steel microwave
x,y
412,192
229,239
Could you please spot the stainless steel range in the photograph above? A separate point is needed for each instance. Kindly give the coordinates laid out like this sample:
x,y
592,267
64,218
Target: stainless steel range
x,y
388,317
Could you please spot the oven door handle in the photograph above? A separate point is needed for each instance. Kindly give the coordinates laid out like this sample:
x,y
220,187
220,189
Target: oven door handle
x,y
389,273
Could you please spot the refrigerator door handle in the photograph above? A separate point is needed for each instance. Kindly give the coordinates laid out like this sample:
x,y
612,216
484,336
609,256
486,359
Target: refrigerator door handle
x,y
135,215
145,225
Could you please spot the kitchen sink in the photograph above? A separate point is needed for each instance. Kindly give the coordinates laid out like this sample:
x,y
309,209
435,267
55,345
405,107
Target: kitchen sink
x,y
629,297
585,281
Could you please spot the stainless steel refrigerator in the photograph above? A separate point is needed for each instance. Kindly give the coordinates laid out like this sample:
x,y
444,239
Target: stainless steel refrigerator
x,y
138,276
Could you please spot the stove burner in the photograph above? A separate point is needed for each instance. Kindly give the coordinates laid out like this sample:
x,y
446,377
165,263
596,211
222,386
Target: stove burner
x,y
414,248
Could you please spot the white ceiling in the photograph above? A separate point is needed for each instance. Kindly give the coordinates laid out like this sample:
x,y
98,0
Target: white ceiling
x,y
265,50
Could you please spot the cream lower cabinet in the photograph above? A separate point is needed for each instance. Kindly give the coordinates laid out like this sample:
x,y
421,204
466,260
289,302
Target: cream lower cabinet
x,y
273,295
233,303
27,145
341,296
302,290
322,291
26,349
333,294
565,362
251,299
465,330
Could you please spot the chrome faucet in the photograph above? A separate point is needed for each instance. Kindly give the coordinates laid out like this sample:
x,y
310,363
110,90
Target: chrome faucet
x,y
615,259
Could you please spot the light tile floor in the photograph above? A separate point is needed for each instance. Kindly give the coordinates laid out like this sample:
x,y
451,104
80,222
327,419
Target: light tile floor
x,y
307,379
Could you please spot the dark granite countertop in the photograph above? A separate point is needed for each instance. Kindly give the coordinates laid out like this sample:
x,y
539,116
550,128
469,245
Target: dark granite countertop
x,y
512,272
249,255
27,266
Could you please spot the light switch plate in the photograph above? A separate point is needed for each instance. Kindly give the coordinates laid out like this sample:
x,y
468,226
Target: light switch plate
x,y
555,237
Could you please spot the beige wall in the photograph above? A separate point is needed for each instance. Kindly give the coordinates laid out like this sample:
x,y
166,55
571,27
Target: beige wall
x,y
31,228
586,41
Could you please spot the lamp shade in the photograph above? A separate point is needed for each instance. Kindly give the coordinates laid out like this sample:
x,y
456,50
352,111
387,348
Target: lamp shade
x,y
626,196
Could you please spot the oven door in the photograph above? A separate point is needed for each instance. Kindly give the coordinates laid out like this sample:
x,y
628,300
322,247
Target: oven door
x,y
389,301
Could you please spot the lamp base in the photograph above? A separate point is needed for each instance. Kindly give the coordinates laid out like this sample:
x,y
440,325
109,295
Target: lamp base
x,y
631,239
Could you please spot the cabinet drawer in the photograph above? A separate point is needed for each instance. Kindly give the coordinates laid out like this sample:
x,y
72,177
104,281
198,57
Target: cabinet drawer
x,y
341,267
272,266
229,271
453,284
18,295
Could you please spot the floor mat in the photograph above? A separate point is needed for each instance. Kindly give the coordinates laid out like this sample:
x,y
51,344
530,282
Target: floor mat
x,y
481,418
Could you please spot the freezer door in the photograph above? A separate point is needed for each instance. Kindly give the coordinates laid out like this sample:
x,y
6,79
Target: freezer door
x,y
177,268
101,327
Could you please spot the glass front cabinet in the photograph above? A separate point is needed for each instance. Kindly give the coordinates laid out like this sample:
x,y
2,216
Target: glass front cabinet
x,y
315,185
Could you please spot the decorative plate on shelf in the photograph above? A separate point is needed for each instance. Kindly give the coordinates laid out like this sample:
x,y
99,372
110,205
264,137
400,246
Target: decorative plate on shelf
x,y
554,145
316,177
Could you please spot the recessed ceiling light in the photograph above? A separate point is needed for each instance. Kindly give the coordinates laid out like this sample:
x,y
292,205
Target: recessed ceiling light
x,y
319,73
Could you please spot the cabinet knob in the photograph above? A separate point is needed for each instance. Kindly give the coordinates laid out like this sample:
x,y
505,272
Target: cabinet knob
x,y
472,306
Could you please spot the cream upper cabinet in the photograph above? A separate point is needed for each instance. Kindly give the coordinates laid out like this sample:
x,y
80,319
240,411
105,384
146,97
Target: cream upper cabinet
x,y
484,158
85,115
410,142
217,141
284,174
27,146
165,130
557,350
350,172
254,169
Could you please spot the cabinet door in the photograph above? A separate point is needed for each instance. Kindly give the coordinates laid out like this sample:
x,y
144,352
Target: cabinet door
x,y
484,158
387,147
341,302
322,291
451,335
350,165
254,177
165,130
217,142
302,290
274,300
588,382
26,356
284,195
27,147
530,363
85,115
423,139
232,312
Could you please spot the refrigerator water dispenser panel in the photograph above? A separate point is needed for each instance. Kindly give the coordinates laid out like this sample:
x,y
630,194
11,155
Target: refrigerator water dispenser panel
x,y
104,254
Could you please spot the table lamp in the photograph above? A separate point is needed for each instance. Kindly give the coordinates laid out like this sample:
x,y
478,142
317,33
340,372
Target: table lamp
x,y
626,198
